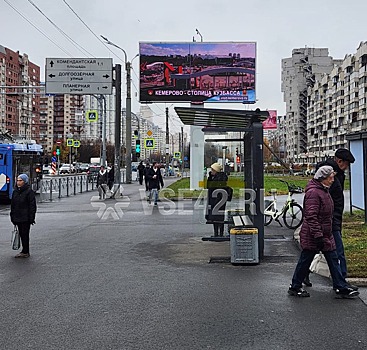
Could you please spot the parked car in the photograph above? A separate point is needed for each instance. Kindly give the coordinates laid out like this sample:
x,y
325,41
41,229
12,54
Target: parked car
x,y
67,169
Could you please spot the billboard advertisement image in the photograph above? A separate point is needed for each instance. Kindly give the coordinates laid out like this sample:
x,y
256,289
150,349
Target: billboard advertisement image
x,y
197,72
271,121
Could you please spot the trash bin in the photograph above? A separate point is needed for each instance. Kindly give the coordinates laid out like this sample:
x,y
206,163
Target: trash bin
x,y
244,245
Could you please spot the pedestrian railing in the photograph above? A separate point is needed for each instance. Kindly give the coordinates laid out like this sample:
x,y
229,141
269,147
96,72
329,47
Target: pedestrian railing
x,y
65,186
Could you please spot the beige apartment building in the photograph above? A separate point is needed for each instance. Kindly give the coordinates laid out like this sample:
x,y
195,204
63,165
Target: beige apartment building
x,y
337,105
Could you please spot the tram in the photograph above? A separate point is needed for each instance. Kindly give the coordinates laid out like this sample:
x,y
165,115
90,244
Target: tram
x,y
17,157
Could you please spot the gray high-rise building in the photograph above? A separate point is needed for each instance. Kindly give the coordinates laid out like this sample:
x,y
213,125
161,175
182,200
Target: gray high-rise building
x,y
299,72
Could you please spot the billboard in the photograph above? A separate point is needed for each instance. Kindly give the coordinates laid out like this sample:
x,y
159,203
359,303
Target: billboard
x,y
197,72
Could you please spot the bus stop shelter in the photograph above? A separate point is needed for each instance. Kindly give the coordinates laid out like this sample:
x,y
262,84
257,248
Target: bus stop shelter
x,y
249,123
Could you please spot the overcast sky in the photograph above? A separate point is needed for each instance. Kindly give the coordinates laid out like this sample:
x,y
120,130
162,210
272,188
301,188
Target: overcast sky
x,y
277,26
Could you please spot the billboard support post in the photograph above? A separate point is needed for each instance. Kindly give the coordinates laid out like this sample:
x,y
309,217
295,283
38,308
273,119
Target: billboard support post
x,y
167,142
128,121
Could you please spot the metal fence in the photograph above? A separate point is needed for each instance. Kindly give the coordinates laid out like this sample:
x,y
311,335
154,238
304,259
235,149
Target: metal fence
x,y
65,186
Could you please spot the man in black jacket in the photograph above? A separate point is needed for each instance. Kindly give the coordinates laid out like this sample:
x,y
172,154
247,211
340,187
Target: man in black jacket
x,y
340,163
155,182
23,211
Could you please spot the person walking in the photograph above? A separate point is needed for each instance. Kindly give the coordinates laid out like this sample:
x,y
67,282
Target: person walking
x,y
111,177
316,235
145,173
102,182
155,182
216,184
23,209
141,168
340,163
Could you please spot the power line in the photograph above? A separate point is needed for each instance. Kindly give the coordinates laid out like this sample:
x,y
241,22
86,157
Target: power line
x,y
86,25
79,47
34,26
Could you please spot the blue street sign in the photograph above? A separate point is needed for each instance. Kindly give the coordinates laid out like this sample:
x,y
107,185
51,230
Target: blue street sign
x,y
53,159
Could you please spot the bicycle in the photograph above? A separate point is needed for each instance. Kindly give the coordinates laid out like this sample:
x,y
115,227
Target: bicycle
x,y
292,212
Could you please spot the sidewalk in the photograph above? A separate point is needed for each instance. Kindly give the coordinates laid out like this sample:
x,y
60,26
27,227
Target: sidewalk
x,y
142,280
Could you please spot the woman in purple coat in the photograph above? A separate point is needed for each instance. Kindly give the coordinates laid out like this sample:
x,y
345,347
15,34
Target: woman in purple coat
x,y
316,234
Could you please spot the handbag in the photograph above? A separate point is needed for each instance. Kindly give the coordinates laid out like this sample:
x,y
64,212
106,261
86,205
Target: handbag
x,y
15,238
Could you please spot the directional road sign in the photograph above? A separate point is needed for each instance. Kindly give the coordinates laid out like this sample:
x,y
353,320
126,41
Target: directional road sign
x,y
149,143
81,76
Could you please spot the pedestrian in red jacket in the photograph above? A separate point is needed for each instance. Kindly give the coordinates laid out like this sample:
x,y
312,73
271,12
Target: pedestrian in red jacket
x,y
316,234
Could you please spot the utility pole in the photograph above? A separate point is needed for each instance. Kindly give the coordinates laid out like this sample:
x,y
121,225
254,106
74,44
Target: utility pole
x,y
128,122
167,142
117,175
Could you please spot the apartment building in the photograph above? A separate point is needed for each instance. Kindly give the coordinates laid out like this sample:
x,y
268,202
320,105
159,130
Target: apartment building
x,y
61,118
19,99
300,72
337,105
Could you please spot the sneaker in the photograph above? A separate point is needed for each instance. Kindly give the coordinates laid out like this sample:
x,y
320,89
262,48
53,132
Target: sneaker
x,y
352,286
298,292
307,282
22,255
346,293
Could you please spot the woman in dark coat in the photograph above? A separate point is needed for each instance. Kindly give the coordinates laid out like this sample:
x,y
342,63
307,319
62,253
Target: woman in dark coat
x,y
217,180
316,234
23,212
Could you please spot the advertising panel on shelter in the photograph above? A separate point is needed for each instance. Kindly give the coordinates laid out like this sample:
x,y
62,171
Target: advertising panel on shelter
x,y
271,121
197,72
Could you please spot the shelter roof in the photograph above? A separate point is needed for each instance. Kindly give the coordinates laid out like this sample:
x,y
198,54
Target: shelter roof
x,y
220,118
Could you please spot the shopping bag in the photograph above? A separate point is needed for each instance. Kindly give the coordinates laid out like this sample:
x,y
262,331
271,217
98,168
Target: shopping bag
x,y
315,261
15,238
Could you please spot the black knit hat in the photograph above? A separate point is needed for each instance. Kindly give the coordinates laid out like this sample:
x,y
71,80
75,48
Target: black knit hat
x,y
344,154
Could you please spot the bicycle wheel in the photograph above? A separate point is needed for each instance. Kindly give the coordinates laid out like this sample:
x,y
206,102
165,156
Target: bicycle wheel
x,y
293,216
268,218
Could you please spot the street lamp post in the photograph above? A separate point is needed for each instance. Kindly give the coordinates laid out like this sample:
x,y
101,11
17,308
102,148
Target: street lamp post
x,y
128,109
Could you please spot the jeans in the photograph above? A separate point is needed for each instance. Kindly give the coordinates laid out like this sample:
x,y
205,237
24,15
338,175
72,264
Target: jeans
x,y
154,193
340,251
305,261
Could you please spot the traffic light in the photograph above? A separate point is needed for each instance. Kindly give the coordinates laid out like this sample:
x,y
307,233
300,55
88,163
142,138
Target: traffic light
x,y
54,153
137,148
57,150
136,134
238,160
237,151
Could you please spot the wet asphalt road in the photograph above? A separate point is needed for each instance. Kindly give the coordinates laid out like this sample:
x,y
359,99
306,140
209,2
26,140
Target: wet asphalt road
x,y
124,275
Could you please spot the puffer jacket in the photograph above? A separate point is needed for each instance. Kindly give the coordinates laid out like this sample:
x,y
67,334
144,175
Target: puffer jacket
x,y
214,212
336,193
23,205
318,213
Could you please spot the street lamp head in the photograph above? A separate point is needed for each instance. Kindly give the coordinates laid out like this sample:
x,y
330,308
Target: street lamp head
x,y
104,38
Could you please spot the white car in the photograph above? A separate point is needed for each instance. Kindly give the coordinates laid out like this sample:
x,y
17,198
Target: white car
x,y
66,169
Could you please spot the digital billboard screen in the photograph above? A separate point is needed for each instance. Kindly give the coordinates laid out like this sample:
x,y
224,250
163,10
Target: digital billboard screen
x,y
197,72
